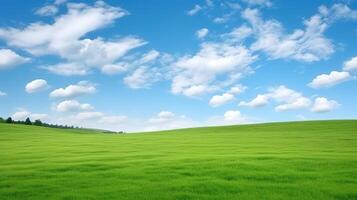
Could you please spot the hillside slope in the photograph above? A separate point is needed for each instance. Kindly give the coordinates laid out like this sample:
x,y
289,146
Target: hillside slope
x,y
299,160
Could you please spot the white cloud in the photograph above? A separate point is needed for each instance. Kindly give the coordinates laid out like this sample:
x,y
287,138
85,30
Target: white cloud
x,y
286,98
306,45
95,120
259,101
9,59
350,65
148,57
234,116
115,68
82,88
222,19
23,114
328,80
68,69
202,33
218,100
2,94
230,117
238,89
338,12
266,3
65,38
194,10
322,105
36,86
239,34
298,103
142,77
51,9
73,106
168,120
48,10
196,74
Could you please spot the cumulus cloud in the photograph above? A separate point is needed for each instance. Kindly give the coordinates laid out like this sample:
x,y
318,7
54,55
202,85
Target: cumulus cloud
x,y
259,101
73,106
350,65
322,105
23,114
8,59
286,98
329,80
230,117
36,86
202,33
65,38
82,88
197,74
194,10
218,100
234,116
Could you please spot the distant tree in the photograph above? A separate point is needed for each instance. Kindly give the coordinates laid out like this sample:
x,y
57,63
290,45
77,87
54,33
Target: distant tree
x,y
28,121
2,120
9,120
37,123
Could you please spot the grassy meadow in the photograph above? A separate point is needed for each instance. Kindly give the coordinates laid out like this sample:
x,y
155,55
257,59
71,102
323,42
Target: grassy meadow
x,y
298,160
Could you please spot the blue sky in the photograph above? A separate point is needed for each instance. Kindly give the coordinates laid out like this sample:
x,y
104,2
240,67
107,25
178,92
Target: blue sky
x,y
151,65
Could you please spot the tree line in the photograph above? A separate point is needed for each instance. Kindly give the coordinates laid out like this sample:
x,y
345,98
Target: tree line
x,y
37,122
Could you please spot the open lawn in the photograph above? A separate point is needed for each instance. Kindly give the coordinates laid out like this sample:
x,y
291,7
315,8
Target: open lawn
x,y
298,160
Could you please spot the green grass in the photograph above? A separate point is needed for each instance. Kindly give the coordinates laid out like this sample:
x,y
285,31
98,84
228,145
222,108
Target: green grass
x,y
300,160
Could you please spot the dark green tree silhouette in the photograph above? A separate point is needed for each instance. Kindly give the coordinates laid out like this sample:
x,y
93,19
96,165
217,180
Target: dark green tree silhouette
x,y
37,122
28,121
9,120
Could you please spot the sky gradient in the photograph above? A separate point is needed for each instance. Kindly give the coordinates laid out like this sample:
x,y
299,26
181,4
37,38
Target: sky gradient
x,y
150,65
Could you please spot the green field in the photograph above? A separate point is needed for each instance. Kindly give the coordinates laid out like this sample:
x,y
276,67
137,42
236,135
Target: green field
x,y
300,160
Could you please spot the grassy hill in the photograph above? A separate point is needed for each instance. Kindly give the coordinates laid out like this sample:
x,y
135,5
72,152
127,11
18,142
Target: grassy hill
x,y
299,160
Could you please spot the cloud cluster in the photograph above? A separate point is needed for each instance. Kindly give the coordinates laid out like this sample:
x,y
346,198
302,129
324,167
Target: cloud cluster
x,y
65,38
288,99
219,100
197,74
306,45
